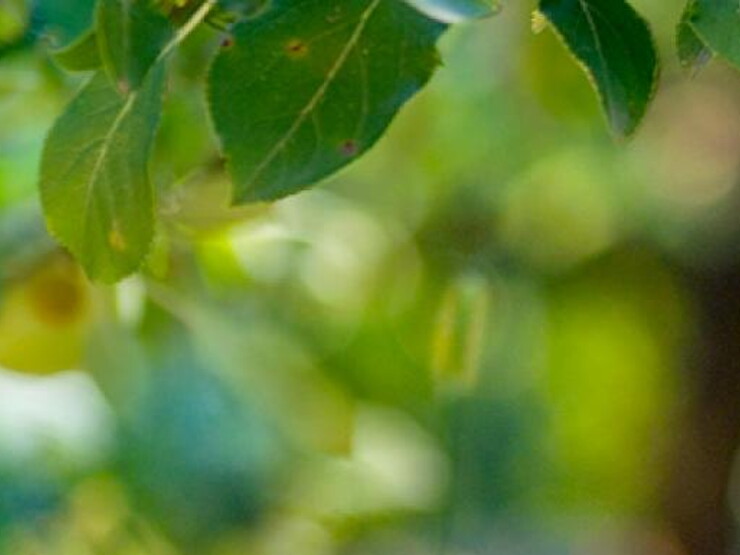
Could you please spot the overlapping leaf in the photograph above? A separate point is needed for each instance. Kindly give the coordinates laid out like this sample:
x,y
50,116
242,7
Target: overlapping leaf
x,y
131,35
62,20
310,85
693,52
717,23
82,55
615,46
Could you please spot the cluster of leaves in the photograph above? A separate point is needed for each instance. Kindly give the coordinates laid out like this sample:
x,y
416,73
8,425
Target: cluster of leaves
x,y
297,90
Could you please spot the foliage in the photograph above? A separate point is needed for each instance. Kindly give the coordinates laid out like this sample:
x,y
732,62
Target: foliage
x,y
297,90
469,340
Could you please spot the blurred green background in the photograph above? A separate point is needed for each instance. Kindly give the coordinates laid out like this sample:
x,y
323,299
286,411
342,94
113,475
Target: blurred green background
x,y
501,332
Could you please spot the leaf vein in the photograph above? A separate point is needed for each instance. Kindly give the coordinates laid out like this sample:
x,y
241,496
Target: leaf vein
x,y
318,95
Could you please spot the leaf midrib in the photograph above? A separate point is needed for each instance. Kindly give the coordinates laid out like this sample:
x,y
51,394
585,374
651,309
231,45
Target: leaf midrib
x,y
126,108
600,52
318,95
102,155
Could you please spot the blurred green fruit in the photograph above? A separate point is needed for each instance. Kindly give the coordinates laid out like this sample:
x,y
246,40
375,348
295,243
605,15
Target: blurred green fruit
x,y
44,318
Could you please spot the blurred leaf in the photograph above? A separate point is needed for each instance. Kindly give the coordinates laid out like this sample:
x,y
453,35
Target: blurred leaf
x,y
616,48
562,210
14,18
201,206
615,333
693,52
185,150
317,103
717,22
94,184
23,240
197,459
459,333
63,20
82,55
486,440
114,356
27,496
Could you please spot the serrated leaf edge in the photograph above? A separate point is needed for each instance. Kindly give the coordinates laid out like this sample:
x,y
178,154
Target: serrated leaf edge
x,y
594,83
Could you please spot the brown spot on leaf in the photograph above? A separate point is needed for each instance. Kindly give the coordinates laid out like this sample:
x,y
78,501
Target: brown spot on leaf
x,y
296,48
116,239
349,147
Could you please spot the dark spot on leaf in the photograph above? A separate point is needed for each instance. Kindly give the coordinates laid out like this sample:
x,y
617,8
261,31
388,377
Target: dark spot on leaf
x,y
349,147
228,42
296,48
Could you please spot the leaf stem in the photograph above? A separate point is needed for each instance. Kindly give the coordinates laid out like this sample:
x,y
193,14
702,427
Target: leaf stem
x,y
190,25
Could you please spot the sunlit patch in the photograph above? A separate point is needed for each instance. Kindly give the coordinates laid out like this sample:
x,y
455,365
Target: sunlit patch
x,y
296,48
67,411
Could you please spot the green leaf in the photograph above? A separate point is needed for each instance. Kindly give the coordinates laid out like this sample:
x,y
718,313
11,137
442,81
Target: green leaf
x,y
693,52
615,47
717,22
132,34
95,190
63,21
310,85
455,11
81,55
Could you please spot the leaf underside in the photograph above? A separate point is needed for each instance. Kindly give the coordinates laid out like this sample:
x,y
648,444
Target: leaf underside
x,y
95,190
